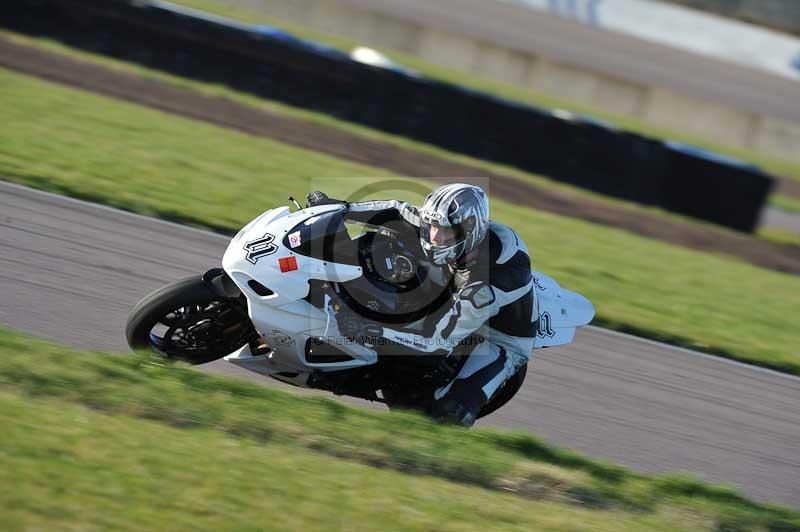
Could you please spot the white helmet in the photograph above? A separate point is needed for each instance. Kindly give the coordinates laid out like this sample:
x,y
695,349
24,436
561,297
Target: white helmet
x,y
453,221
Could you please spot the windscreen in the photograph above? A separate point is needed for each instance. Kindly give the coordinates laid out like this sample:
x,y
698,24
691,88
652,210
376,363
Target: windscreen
x,y
323,237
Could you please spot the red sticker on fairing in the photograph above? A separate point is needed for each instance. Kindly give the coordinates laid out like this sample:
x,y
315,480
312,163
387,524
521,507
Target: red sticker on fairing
x,y
288,264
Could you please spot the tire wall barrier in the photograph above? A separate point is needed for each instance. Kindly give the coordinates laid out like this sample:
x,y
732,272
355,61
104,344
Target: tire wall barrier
x,y
276,65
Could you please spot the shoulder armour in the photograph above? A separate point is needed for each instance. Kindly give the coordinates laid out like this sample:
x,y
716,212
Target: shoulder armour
x,y
510,242
479,294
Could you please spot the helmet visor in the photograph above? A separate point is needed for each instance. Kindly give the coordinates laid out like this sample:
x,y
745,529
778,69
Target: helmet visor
x,y
439,236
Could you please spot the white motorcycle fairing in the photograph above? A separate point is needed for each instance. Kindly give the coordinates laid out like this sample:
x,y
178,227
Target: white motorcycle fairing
x,y
285,320
561,311
265,262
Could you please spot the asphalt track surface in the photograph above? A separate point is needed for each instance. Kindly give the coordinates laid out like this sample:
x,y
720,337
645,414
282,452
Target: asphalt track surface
x,y
621,56
774,218
70,271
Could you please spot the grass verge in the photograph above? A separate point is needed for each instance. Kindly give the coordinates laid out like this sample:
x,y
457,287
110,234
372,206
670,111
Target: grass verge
x,y
786,203
322,119
368,134
138,159
109,442
780,236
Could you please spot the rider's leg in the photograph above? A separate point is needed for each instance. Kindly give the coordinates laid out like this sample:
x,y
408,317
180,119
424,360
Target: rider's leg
x,y
486,369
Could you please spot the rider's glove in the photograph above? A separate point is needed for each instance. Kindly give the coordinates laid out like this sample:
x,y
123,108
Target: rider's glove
x,y
318,197
356,328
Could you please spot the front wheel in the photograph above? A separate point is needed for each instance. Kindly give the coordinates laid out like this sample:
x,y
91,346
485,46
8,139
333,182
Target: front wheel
x,y
188,321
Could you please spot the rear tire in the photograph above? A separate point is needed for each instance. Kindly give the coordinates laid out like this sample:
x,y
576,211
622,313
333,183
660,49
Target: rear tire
x,y
499,399
200,325
504,394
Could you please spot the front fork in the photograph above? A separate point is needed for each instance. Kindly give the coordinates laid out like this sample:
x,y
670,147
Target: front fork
x,y
219,282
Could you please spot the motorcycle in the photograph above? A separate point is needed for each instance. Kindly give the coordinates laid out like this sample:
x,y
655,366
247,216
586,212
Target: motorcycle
x,y
271,308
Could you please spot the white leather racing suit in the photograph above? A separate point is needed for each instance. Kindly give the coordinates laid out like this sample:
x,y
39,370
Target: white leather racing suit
x,y
493,299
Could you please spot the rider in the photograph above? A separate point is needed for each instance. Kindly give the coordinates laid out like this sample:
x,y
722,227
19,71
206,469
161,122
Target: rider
x,y
493,297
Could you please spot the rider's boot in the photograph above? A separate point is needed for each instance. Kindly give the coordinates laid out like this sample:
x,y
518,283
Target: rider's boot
x,y
486,369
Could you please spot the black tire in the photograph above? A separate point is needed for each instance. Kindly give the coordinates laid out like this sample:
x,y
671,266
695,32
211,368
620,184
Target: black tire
x,y
504,394
187,293
499,399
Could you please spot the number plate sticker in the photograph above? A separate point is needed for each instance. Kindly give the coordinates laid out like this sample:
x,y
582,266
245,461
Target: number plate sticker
x,y
260,247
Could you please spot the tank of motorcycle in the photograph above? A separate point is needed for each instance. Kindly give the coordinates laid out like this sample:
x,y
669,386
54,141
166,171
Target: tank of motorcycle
x,y
272,260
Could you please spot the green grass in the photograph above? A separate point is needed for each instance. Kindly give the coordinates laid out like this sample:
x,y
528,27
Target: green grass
x,y
95,441
329,121
771,164
101,473
80,144
360,131
780,236
786,203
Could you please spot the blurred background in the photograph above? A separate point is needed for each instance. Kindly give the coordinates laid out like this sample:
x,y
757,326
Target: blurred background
x,y
647,151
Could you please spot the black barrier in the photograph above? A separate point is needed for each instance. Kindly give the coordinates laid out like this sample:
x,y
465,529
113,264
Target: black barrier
x,y
275,65
685,162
